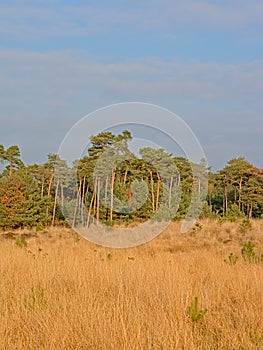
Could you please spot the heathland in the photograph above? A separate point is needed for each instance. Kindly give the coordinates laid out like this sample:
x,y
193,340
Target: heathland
x,y
199,290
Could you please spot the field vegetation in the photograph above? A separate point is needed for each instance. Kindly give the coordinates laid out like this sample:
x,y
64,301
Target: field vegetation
x,y
200,290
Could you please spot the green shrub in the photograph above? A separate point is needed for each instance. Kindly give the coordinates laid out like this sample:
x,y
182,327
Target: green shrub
x,y
21,242
207,212
245,225
109,256
233,213
249,254
232,259
39,227
197,227
36,298
194,312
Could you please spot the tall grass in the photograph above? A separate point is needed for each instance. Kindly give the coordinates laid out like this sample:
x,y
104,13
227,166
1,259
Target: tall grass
x,y
63,293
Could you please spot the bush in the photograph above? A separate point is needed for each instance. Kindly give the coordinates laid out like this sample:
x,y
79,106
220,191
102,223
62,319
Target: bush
x,y
21,242
233,213
248,253
245,226
232,259
207,212
194,312
36,298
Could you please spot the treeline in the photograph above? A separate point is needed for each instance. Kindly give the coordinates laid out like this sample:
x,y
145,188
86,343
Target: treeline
x,y
112,185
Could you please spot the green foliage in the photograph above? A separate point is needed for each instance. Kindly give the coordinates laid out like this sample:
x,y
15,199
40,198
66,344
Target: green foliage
x,y
77,238
207,212
245,226
115,187
39,227
195,314
232,259
21,203
163,214
109,256
197,227
36,298
249,254
233,213
21,242
258,337
11,156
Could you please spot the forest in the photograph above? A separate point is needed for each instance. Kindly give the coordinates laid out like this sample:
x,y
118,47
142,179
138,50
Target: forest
x,y
116,187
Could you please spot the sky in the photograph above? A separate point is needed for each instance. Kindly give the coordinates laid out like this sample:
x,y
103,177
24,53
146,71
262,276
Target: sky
x,y
203,60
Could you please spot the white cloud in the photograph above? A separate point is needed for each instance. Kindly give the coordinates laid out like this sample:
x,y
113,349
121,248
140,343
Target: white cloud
x,y
60,75
40,92
41,20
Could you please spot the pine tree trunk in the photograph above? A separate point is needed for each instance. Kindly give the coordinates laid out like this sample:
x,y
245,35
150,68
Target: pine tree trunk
x,y
10,168
76,206
158,191
170,192
95,198
90,208
42,185
125,176
179,180
50,184
106,196
98,200
49,191
55,205
82,194
250,211
223,204
62,195
240,191
226,199
83,206
152,190
111,194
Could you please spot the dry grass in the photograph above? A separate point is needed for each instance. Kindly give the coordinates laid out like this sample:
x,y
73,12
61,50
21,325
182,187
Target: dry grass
x,y
64,293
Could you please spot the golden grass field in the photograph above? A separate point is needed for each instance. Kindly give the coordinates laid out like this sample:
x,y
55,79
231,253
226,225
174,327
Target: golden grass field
x,y
62,292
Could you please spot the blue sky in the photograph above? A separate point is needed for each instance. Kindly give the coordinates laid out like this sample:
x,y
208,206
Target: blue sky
x,y
203,60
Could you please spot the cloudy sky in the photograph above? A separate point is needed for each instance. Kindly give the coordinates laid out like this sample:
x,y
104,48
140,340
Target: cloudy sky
x,y
203,60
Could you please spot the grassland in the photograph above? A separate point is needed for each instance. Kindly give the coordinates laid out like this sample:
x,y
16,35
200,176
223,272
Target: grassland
x,y
62,292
